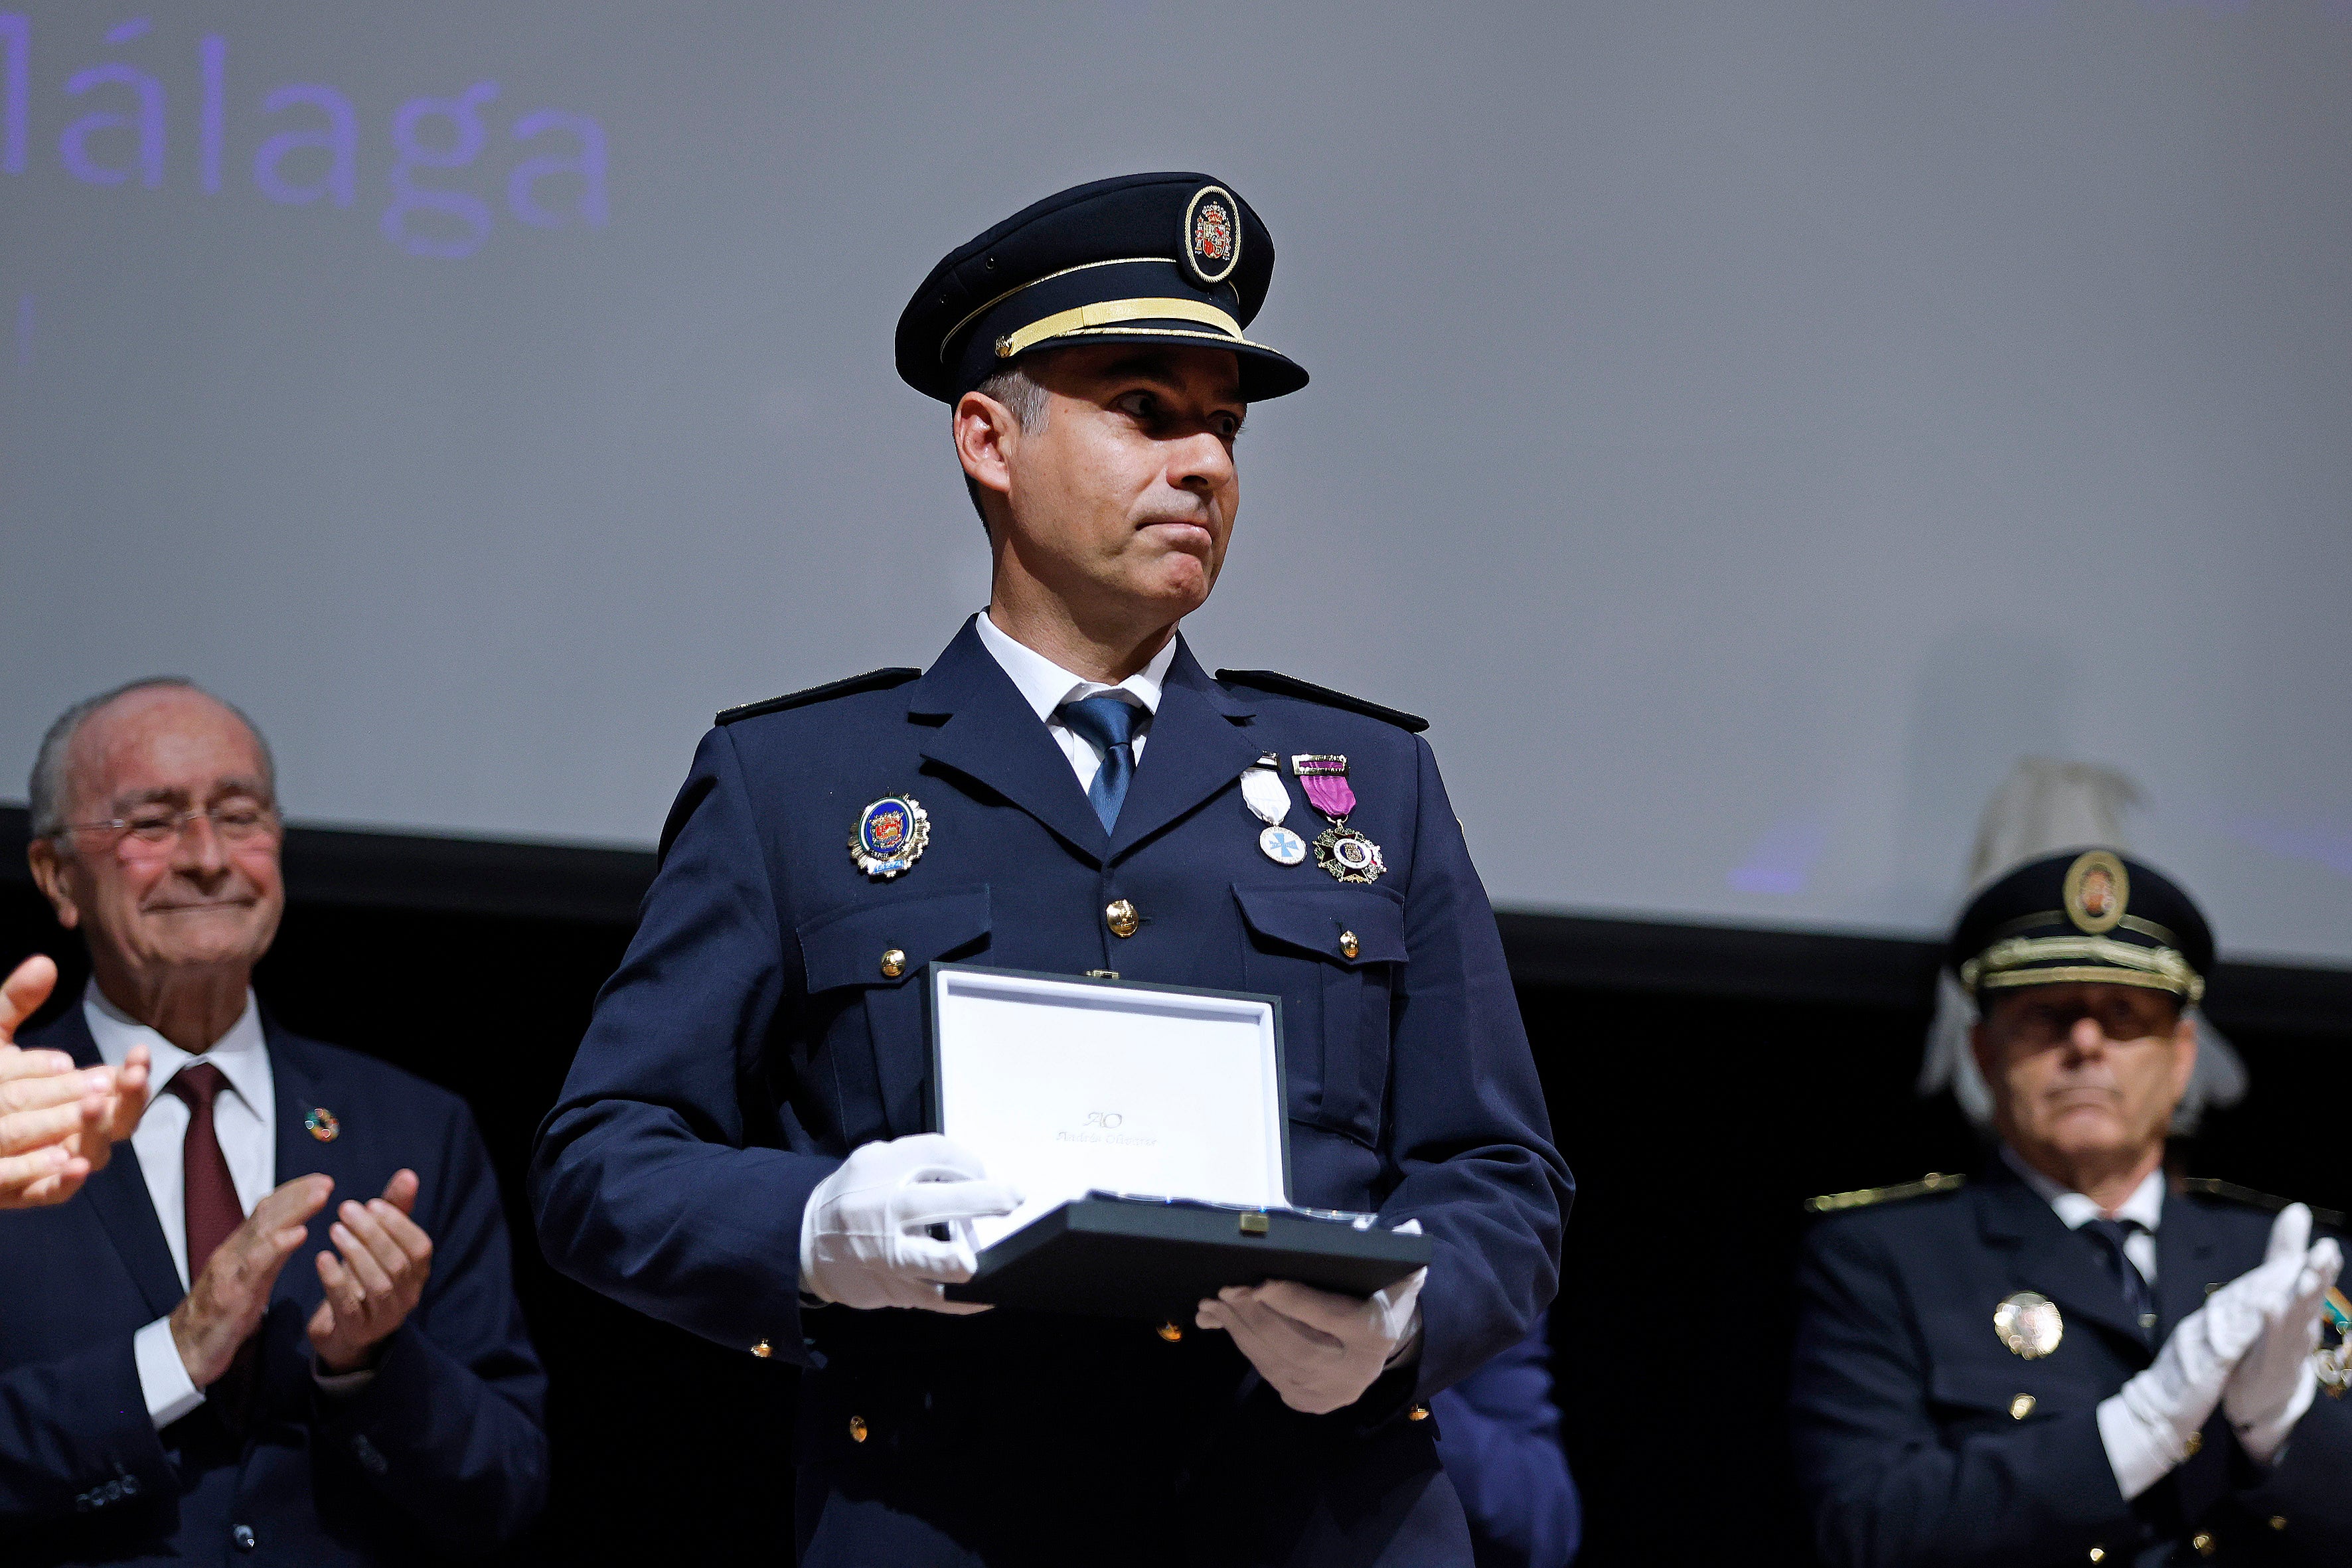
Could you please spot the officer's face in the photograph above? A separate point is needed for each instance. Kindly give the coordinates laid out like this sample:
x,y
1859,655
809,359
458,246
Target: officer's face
x,y
2083,1071
206,896
1122,499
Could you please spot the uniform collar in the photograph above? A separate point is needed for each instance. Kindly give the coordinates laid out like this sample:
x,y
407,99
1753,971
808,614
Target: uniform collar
x,y
2145,1204
1045,686
242,1053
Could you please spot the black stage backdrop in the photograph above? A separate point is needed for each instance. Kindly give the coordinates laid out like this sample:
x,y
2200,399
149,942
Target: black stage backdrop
x,y
1703,1082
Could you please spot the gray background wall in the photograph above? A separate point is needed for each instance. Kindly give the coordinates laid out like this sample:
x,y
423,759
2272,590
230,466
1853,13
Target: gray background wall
x,y
1744,427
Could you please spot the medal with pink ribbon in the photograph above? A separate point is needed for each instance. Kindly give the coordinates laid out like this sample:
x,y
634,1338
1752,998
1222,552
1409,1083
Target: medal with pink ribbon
x,y
1346,854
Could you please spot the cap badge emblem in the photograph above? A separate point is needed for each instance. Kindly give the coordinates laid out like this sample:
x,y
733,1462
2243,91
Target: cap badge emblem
x,y
2098,888
2028,1323
1212,236
891,835
322,1124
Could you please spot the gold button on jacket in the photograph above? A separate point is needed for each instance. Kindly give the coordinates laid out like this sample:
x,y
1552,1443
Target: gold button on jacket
x,y
893,963
1122,918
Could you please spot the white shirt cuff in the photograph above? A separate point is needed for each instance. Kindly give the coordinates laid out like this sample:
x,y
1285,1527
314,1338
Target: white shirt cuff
x,y
162,1375
2137,1454
341,1384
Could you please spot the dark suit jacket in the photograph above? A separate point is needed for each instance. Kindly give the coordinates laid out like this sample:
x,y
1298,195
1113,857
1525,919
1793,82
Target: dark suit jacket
x,y
751,1039
441,1455
1921,1438
1498,1435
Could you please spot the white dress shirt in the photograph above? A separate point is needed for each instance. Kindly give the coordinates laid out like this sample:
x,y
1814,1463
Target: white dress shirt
x,y
2146,1205
1045,686
245,1123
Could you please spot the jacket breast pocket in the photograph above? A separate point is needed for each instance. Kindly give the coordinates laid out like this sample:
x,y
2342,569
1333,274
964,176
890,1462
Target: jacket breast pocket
x,y
1333,954
863,965
1980,1395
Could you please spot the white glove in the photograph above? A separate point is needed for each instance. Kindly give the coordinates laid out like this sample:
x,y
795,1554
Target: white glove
x,y
1318,1349
864,1236
2149,1425
2274,1384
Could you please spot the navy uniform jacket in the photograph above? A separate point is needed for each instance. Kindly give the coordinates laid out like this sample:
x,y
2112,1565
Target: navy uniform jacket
x,y
1922,1439
751,1039
1498,1435
440,1456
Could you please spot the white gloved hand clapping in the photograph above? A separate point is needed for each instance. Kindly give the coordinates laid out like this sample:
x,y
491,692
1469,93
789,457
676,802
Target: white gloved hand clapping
x,y
2148,1426
1318,1350
2274,1384
864,1236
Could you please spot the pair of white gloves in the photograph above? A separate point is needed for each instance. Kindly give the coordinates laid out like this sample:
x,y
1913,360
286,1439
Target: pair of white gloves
x,y
2248,1350
867,1241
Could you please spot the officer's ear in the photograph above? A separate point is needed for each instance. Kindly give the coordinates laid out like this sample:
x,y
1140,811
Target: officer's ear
x,y
987,435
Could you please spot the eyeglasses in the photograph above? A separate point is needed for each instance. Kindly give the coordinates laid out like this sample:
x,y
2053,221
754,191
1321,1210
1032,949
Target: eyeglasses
x,y
236,821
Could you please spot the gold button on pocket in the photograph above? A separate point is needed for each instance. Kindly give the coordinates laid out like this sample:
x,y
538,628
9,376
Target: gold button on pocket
x,y
1169,1333
2205,1544
893,963
1418,1412
2278,1521
2020,1407
2098,1554
857,1428
1122,918
763,1349
1349,946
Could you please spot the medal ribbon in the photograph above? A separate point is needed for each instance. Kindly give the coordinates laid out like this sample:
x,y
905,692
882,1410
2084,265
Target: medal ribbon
x,y
1325,780
1263,793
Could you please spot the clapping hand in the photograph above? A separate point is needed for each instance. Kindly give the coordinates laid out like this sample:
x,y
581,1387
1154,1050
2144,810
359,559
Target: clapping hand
x,y
377,1281
58,1122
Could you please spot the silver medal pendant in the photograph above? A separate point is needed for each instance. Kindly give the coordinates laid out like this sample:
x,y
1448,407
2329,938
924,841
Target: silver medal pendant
x,y
1347,854
1282,847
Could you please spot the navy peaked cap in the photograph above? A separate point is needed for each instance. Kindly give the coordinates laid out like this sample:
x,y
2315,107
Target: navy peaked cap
x,y
1172,258
2095,915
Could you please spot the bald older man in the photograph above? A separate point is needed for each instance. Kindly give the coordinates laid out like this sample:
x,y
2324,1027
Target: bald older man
x,y
170,1389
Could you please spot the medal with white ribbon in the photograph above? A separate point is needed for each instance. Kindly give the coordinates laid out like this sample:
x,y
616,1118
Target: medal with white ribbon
x,y
1346,854
1267,801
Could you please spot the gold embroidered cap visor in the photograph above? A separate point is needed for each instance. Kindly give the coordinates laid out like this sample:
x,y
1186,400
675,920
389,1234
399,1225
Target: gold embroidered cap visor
x,y
1175,259
1134,301
2086,916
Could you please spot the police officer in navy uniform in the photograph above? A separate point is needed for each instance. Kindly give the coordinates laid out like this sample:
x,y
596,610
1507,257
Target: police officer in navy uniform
x,y
741,1146
2071,1357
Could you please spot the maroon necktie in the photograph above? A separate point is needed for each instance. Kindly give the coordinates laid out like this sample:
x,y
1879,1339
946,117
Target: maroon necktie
x,y
212,1210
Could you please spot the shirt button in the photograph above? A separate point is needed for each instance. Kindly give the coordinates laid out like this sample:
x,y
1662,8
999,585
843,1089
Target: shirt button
x,y
1122,918
244,1538
1347,946
893,963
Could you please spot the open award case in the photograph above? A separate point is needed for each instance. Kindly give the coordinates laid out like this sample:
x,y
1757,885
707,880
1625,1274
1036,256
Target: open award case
x,y
1146,1129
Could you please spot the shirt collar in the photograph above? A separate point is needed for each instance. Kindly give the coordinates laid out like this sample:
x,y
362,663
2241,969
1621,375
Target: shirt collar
x,y
2145,1205
242,1053
1045,686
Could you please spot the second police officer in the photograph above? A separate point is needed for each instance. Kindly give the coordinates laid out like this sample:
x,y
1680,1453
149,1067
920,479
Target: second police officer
x,y
740,1148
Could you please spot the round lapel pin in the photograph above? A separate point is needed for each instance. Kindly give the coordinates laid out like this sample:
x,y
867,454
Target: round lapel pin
x,y
891,835
2028,1323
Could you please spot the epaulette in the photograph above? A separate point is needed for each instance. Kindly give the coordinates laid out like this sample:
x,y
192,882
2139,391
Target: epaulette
x,y
872,680
1837,1203
2230,1192
1267,680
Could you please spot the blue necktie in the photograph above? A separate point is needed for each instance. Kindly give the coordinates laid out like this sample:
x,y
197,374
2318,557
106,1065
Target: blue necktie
x,y
1109,723
2111,1234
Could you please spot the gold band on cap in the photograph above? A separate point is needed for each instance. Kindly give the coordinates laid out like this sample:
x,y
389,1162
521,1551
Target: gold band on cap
x,y
1111,313
2091,959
